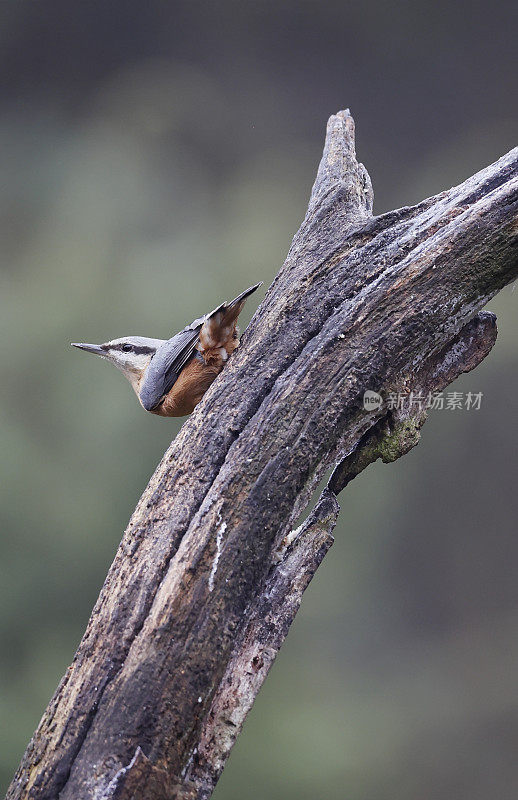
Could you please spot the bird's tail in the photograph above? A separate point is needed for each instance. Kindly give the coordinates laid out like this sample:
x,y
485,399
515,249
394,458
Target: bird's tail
x,y
240,299
220,325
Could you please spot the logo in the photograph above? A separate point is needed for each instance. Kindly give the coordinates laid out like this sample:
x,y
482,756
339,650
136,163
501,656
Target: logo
x,y
372,400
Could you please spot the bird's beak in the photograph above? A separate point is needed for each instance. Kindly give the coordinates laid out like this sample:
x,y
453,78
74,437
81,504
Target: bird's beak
x,y
90,348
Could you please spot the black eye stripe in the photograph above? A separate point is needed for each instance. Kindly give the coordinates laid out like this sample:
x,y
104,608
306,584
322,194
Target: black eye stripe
x,y
137,349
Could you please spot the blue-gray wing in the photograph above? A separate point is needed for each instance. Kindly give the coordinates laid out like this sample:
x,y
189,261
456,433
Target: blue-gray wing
x,y
173,355
167,363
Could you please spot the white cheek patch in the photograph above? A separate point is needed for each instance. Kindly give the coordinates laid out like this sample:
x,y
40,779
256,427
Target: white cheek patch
x,y
223,353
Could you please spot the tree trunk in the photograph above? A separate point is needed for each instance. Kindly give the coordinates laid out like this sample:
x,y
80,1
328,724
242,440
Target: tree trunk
x,y
210,574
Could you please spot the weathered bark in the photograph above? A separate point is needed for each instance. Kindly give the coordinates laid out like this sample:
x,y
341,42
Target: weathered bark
x,y
208,576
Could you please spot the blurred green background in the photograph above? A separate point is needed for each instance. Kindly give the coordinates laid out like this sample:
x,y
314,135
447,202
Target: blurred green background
x,y
158,158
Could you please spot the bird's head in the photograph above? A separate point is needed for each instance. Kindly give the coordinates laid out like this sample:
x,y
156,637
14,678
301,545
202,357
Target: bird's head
x,y
131,354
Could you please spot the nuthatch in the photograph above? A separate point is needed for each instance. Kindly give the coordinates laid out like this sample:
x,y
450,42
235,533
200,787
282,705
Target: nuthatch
x,y
171,376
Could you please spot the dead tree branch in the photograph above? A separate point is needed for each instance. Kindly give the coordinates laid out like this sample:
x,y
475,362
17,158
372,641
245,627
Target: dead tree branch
x,y
208,577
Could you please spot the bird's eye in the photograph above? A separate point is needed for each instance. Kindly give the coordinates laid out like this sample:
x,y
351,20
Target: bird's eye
x,y
127,348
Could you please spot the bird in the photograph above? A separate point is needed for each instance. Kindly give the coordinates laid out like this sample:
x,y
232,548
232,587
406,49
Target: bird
x,y
170,376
